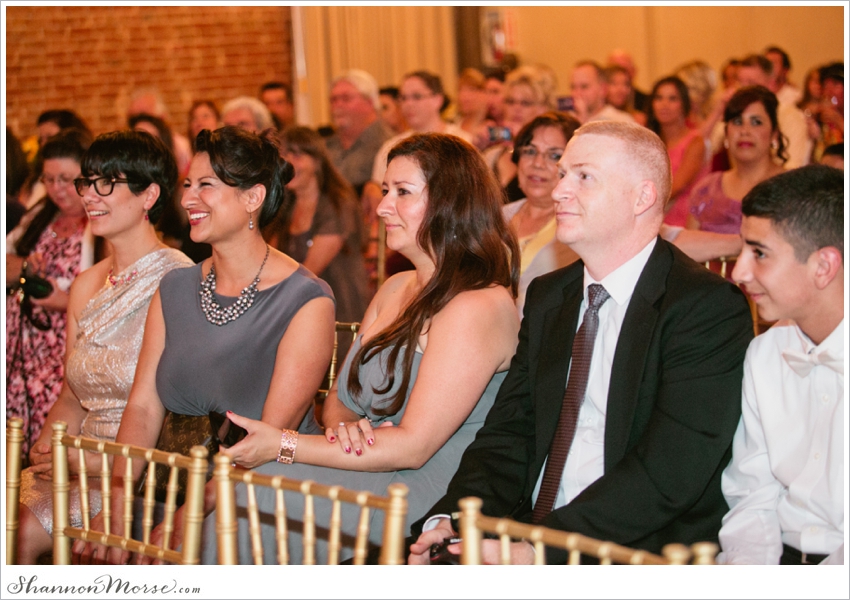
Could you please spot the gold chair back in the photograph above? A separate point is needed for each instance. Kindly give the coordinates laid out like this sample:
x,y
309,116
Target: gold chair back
x,y
14,446
376,254
473,525
723,266
63,533
394,507
349,328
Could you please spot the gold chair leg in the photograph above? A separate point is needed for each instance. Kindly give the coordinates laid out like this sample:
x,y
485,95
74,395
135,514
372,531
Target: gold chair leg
x,y
14,444
61,489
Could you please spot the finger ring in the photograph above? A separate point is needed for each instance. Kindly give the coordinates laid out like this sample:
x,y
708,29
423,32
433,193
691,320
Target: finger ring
x,y
341,424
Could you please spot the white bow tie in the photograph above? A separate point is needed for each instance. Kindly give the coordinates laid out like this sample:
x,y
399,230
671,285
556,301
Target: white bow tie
x,y
802,363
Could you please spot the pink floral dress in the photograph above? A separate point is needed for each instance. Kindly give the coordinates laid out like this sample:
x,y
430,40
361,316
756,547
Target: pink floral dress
x,y
35,358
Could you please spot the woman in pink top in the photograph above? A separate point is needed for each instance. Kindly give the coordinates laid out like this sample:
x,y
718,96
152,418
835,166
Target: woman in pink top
x,y
668,113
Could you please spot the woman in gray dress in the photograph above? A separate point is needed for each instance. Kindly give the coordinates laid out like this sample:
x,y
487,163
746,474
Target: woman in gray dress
x,y
248,329
434,346
127,177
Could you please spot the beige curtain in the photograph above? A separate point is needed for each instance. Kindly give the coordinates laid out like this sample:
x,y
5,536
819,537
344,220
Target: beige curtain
x,y
386,41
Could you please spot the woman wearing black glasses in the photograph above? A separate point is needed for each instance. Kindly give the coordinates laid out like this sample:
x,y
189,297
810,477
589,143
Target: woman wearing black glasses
x,y
127,177
537,149
52,242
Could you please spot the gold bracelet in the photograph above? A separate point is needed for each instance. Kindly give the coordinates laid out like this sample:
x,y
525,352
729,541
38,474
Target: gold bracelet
x,y
288,441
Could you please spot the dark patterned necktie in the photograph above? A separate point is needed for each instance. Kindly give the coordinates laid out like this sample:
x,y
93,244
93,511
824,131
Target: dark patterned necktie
x,y
573,397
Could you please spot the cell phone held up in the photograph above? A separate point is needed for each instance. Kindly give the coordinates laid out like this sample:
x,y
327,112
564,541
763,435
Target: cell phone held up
x,y
499,134
440,554
226,432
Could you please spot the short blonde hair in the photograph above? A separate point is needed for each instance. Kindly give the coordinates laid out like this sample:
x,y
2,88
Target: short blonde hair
x,y
646,151
539,78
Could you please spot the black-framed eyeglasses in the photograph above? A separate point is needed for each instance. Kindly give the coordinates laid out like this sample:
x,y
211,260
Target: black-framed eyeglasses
x,y
530,152
102,185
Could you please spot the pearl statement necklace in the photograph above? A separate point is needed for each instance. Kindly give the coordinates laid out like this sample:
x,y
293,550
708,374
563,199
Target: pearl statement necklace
x,y
213,311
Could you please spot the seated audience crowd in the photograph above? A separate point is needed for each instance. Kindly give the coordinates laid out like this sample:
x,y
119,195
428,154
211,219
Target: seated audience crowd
x,y
550,338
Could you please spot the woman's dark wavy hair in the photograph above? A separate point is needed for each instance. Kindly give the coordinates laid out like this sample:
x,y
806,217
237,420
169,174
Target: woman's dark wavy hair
x,y
331,183
559,120
464,231
751,94
242,159
68,143
197,104
433,83
140,158
64,119
685,97
162,128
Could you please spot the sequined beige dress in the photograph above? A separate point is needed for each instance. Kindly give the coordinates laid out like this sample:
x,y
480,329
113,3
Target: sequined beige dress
x,y
101,367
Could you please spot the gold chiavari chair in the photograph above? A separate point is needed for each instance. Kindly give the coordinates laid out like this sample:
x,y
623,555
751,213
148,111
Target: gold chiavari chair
x,y
376,255
14,445
63,533
473,525
723,266
381,268
226,476
351,328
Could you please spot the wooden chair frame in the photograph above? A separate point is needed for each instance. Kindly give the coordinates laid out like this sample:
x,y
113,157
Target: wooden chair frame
x,y
63,533
352,328
14,447
226,477
473,525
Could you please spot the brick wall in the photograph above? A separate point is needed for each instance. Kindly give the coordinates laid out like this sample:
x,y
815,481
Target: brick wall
x,y
91,59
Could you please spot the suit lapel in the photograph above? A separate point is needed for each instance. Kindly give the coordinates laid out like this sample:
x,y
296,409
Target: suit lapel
x,y
636,336
559,329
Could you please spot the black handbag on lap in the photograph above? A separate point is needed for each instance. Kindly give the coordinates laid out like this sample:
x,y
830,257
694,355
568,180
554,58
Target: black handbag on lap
x,y
179,434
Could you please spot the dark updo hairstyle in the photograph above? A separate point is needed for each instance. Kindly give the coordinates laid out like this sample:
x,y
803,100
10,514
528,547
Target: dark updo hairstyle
x,y
750,95
466,235
68,143
553,118
433,83
242,159
140,158
684,96
162,128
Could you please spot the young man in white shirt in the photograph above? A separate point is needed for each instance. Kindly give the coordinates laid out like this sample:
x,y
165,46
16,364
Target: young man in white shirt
x,y
786,479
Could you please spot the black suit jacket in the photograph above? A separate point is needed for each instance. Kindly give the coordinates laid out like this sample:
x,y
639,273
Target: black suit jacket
x,y
673,406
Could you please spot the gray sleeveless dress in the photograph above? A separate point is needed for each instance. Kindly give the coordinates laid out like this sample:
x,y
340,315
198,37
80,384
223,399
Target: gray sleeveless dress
x,y
427,484
205,367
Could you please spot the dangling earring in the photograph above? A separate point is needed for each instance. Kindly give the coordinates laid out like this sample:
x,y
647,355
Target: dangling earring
x,y
726,143
146,216
251,220
774,144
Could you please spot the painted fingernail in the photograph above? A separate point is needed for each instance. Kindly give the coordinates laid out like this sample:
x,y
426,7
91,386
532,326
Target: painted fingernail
x,y
347,450
358,452
332,438
370,441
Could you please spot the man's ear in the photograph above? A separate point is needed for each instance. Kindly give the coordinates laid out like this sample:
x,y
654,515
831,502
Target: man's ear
x,y
828,263
647,196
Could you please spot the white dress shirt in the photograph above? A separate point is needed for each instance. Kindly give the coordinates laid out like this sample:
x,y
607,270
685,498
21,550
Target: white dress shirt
x,y
785,483
586,459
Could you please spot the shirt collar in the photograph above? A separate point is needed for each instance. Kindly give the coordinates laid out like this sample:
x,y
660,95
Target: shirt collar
x,y
621,282
834,342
